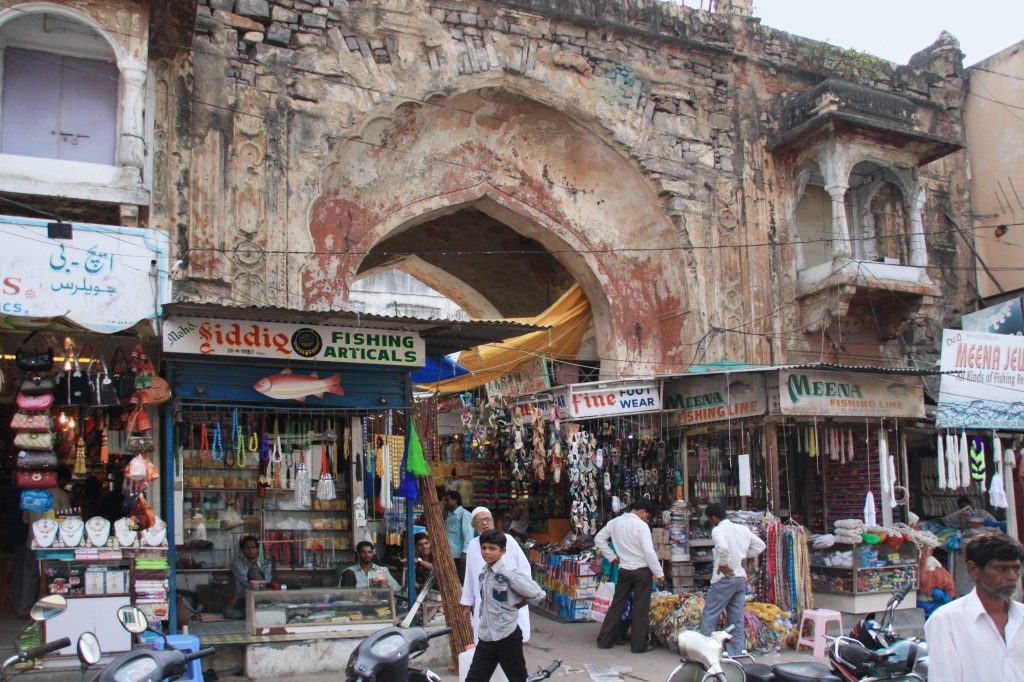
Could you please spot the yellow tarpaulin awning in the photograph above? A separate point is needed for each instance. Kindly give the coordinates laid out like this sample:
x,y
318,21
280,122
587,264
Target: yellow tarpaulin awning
x,y
568,319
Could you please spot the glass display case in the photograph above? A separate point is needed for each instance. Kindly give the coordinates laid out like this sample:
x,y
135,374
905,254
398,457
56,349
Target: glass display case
x,y
862,570
289,611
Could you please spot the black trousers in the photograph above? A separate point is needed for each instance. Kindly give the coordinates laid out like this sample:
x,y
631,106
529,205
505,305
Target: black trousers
x,y
508,653
638,583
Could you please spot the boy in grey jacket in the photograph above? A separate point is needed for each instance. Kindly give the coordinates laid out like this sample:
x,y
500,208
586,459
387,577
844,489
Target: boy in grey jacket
x,y
503,590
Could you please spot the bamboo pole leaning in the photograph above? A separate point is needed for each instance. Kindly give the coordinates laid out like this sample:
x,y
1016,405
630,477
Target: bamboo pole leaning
x,y
447,575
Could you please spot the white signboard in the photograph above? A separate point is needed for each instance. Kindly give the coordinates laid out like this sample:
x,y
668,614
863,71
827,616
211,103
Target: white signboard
x,y
847,394
713,397
103,278
276,340
582,402
529,377
982,383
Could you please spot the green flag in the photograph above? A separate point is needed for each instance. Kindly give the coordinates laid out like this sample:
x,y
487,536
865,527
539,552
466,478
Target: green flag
x,y
416,464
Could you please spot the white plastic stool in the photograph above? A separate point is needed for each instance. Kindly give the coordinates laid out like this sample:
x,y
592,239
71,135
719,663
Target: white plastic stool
x,y
820,618
466,660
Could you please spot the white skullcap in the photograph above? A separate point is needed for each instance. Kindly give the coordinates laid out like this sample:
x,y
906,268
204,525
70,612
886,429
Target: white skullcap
x,y
480,510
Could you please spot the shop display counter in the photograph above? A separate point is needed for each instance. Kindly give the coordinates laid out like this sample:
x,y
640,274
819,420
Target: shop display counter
x,y
861,578
320,609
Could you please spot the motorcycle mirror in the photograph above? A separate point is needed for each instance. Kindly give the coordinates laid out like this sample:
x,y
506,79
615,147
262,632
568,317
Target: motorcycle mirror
x,y
89,652
48,607
132,619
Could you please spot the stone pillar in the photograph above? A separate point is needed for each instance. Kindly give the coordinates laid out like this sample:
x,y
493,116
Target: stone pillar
x,y
918,250
840,228
131,151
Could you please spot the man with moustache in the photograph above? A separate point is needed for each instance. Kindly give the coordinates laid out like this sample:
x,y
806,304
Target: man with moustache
x,y
979,636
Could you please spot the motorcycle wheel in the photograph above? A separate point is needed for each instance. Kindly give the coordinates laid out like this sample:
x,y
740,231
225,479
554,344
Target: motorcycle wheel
x,y
692,672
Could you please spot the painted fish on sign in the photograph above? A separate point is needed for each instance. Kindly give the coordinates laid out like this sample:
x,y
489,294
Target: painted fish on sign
x,y
289,386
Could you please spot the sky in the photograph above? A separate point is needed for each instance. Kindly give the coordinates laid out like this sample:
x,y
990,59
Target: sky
x,y
896,29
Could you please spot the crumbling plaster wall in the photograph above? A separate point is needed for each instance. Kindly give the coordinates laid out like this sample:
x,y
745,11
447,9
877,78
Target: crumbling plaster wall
x,y
299,134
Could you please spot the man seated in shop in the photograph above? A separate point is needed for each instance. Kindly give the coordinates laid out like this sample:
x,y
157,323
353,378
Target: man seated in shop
x,y
366,573
247,567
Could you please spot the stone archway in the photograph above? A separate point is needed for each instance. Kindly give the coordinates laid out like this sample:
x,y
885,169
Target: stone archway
x,y
537,171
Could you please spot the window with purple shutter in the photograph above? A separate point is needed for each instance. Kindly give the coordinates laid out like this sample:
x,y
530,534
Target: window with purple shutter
x,y
58,107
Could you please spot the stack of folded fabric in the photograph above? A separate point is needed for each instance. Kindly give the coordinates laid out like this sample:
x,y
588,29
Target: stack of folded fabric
x,y
849,531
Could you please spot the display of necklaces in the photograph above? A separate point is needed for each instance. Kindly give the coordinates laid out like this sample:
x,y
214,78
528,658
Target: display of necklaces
x,y
71,530
126,536
45,531
98,530
155,535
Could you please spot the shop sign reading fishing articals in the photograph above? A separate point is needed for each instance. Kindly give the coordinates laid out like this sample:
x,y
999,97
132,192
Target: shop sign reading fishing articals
x,y
847,394
982,384
282,341
582,401
699,399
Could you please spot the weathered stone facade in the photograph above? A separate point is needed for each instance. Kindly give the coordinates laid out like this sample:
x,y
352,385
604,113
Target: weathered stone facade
x,y
656,151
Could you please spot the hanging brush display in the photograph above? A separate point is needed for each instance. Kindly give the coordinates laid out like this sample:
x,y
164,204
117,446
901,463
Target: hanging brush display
x,y
325,488
302,483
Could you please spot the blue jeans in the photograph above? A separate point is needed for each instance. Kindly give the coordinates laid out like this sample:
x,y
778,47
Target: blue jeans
x,y
731,594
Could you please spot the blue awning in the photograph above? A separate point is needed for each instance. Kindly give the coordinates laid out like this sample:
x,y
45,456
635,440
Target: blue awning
x,y
438,369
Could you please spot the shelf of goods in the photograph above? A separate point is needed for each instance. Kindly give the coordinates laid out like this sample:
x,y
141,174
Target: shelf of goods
x,y
846,484
861,578
323,610
569,581
222,504
713,465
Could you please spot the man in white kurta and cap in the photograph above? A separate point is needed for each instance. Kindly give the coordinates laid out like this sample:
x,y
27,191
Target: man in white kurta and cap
x,y
514,556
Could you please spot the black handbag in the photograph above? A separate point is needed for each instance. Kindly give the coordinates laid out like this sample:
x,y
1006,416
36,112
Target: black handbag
x,y
33,361
123,379
28,459
104,392
37,384
73,385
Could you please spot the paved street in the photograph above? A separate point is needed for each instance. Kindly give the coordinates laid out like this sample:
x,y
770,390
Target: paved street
x,y
575,645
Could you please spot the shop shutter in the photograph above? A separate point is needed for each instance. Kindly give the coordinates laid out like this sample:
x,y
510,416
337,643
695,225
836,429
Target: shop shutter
x,y
365,388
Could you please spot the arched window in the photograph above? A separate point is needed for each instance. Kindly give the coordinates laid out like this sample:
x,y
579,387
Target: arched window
x,y
814,221
60,90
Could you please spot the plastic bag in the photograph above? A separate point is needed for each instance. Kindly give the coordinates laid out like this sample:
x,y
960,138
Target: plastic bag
x,y
602,601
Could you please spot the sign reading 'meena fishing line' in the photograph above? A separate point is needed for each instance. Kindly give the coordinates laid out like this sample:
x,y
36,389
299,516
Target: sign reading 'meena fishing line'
x,y
281,341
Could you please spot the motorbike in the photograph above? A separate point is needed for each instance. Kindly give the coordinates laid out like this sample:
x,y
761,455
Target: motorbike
x,y
44,609
874,651
704,659
384,657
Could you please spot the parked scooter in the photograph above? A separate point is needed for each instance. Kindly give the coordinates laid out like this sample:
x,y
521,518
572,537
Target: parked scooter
x,y
384,657
44,609
874,651
704,660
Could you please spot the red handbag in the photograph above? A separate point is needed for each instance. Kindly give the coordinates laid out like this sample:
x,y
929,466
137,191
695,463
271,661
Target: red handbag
x,y
36,479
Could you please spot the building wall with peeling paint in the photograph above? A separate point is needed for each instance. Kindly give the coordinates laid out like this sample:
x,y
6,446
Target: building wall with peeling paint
x,y
630,139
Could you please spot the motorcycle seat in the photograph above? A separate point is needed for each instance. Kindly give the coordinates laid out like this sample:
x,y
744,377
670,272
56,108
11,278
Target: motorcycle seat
x,y
803,672
758,672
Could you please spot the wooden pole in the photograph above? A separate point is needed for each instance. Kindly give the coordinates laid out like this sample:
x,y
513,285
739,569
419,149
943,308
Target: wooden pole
x,y
447,575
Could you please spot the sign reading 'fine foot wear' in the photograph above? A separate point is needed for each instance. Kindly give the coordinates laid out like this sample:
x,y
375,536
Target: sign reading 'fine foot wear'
x,y
276,340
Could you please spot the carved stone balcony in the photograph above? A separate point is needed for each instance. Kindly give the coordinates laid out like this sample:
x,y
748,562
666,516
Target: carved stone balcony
x,y
893,295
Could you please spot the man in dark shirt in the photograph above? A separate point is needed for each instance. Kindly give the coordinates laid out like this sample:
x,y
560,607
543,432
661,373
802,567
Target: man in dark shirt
x,y
26,586
241,569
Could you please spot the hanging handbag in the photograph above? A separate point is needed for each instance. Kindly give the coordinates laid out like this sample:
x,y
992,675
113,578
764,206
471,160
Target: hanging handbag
x,y
150,389
138,440
38,501
104,390
32,422
36,479
38,384
124,378
34,441
32,459
33,361
73,386
34,403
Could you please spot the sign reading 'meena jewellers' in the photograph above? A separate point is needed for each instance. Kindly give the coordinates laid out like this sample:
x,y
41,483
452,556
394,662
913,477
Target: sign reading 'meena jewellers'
x,y
247,338
582,401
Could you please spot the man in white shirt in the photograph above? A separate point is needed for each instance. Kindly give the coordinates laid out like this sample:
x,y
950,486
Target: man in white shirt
x,y
734,544
979,636
475,565
638,566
